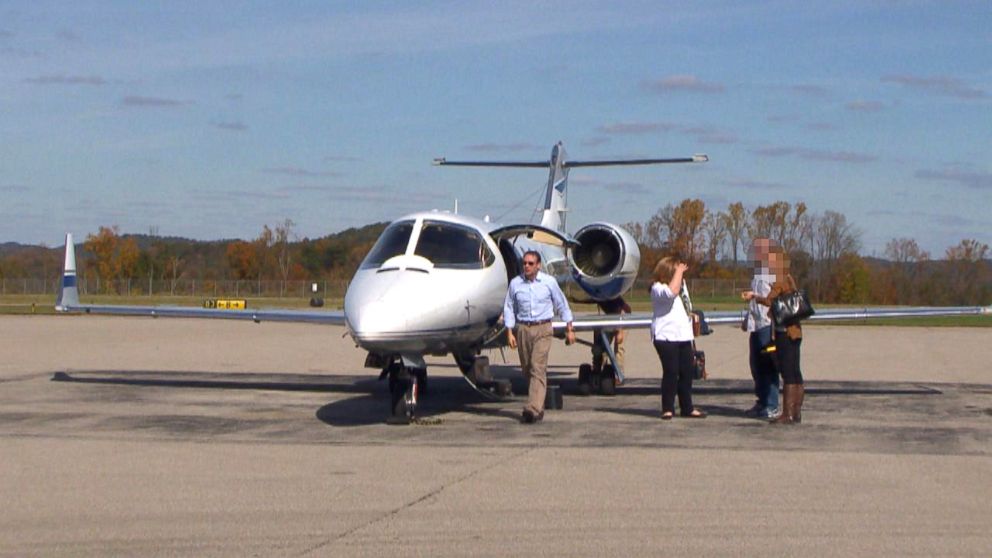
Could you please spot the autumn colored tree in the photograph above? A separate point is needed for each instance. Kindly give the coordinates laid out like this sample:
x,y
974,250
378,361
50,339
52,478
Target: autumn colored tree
x,y
902,281
103,247
832,237
281,242
768,221
852,280
789,226
735,222
242,260
715,233
126,262
678,229
264,253
967,278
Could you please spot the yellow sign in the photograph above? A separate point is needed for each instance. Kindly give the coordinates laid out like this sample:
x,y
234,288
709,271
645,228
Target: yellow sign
x,y
226,304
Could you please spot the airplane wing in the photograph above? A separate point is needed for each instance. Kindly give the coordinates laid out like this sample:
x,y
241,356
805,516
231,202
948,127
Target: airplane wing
x,y
68,302
643,320
637,320
256,315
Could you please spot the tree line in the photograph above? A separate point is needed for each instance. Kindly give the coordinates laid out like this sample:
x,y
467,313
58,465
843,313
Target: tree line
x,y
823,249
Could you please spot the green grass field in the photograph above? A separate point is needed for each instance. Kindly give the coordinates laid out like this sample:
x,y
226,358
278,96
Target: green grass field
x,y
42,304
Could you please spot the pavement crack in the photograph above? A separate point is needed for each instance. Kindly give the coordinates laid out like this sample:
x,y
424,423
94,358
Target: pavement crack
x,y
408,505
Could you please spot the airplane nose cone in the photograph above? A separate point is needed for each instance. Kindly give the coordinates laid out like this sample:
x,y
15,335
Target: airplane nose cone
x,y
380,306
374,317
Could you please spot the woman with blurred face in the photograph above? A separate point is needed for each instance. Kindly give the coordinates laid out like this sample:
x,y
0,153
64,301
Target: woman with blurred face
x,y
671,331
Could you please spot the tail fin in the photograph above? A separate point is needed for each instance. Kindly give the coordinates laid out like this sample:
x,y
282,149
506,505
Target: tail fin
x,y
69,294
555,198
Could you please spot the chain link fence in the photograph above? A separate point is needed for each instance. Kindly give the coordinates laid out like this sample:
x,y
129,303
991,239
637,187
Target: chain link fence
x,y
329,289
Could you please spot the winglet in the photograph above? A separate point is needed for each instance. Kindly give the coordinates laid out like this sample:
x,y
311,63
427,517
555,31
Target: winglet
x,y
69,293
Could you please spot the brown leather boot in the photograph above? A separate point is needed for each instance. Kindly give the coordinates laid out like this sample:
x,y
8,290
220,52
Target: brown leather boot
x,y
788,405
797,403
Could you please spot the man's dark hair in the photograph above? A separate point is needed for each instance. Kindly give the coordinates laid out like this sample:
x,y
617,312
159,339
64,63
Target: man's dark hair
x,y
534,253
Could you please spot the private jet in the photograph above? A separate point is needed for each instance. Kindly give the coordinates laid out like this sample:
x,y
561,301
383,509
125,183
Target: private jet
x,y
435,281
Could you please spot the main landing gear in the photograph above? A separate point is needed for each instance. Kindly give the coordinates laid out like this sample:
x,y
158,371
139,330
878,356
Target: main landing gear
x,y
591,381
605,380
476,371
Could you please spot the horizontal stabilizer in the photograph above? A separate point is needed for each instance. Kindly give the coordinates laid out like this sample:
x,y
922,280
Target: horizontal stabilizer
x,y
526,164
571,164
622,162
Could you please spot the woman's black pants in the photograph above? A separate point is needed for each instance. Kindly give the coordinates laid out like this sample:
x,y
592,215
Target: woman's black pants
x,y
787,355
676,375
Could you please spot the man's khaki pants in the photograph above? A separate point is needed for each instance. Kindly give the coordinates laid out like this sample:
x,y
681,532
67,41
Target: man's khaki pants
x,y
533,346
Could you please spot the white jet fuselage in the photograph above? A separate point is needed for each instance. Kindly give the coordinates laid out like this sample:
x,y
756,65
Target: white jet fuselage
x,y
434,283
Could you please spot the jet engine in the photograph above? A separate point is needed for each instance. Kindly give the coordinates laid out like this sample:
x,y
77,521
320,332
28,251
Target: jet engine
x,y
605,263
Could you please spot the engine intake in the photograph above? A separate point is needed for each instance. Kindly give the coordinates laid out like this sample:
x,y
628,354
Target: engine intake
x,y
605,263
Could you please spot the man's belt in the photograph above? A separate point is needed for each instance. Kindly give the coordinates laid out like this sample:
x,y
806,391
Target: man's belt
x,y
534,323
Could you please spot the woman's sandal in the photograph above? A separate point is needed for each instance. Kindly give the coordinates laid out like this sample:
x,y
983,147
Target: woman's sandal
x,y
667,415
696,413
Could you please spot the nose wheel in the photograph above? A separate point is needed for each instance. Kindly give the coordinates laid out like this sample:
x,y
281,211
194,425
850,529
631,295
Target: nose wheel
x,y
406,385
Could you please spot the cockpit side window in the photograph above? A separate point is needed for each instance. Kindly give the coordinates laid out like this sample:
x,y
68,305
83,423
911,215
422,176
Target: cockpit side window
x,y
452,246
392,242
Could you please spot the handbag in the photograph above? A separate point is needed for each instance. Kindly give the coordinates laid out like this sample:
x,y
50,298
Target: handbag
x,y
791,308
696,318
698,364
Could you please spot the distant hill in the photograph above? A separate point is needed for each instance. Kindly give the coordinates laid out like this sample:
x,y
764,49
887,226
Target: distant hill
x,y
334,255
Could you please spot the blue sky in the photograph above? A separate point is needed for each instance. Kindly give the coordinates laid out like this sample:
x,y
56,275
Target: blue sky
x,y
210,119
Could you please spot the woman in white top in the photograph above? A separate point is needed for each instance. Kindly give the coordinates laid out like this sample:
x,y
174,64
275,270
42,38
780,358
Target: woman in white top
x,y
671,330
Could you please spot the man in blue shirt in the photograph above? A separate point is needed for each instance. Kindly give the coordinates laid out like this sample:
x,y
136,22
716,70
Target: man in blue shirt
x,y
531,302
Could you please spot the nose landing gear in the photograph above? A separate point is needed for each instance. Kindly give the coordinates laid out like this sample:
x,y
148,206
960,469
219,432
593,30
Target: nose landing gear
x,y
406,385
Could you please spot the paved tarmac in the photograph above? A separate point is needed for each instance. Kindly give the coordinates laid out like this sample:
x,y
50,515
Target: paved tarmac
x,y
136,436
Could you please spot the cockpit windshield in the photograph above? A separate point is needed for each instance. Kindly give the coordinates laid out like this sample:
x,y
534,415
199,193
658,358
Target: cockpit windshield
x,y
452,246
392,242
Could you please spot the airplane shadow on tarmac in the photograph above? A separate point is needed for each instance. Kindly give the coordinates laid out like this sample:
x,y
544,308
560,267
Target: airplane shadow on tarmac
x,y
365,399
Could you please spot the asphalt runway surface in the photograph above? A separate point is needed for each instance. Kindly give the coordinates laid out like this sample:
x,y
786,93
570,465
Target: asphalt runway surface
x,y
137,436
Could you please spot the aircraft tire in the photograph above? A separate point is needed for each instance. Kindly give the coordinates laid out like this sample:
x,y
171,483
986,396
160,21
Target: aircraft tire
x,y
398,411
402,405
608,382
585,377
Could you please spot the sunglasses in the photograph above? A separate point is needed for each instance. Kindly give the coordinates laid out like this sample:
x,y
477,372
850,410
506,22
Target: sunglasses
x,y
529,263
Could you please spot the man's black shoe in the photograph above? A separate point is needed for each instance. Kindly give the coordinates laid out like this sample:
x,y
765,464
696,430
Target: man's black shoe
x,y
528,416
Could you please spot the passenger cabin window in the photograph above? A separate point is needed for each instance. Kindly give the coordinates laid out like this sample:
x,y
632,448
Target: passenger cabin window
x,y
391,243
452,246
